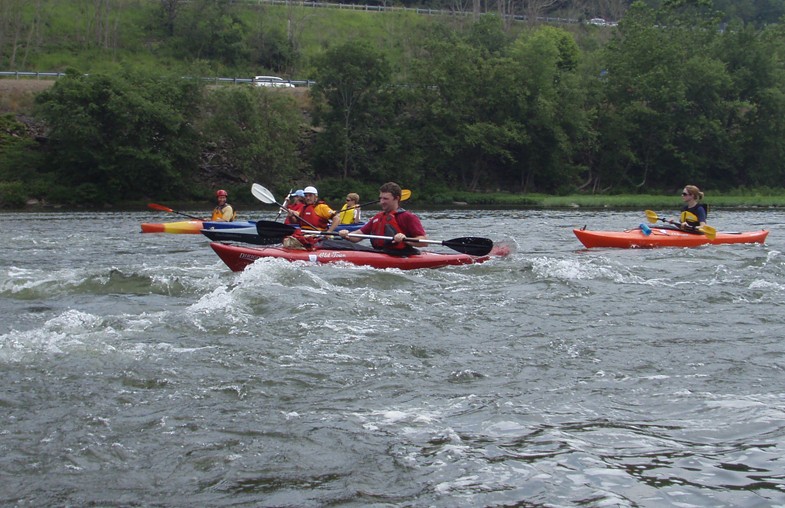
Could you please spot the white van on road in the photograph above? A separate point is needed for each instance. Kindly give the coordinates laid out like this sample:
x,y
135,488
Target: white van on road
x,y
272,81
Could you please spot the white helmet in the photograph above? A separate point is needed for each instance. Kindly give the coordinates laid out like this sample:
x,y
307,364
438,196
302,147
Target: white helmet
x,y
310,190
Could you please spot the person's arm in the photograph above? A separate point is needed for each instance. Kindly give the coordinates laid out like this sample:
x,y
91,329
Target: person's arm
x,y
365,230
337,220
701,215
412,226
327,213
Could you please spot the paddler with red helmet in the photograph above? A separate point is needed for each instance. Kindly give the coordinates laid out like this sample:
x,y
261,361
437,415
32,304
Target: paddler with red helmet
x,y
223,211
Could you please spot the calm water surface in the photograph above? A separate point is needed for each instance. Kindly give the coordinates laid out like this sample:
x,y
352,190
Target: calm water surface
x,y
138,370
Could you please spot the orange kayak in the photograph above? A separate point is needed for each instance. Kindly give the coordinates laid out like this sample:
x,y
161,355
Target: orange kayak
x,y
662,237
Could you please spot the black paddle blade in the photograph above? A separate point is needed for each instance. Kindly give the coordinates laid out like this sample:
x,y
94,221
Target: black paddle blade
x,y
470,245
226,235
272,229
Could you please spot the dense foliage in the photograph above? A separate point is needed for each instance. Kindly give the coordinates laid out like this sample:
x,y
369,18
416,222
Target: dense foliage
x,y
664,99
114,138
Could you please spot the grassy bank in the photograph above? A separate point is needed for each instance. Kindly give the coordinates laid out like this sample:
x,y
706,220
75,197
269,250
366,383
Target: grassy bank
x,y
621,201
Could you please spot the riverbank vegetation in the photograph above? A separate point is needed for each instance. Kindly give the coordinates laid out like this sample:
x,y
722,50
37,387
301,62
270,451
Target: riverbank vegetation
x,y
456,108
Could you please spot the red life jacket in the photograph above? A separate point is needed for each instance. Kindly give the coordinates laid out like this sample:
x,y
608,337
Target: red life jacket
x,y
295,207
307,214
387,225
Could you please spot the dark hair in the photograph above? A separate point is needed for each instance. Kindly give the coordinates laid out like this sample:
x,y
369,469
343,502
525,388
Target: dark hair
x,y
393,188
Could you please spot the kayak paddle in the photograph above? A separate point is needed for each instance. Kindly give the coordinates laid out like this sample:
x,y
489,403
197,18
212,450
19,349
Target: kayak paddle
x,y
470,245
163,208
265,196
285,203
710,232
272,229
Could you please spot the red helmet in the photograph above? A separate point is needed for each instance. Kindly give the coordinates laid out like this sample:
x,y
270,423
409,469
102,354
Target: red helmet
x,y
221,193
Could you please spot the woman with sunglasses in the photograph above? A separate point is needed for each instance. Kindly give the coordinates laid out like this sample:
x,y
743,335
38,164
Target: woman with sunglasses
x,y
693,213
350,212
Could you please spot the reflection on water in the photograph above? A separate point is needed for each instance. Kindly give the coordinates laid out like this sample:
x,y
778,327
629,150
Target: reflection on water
x,y
137,369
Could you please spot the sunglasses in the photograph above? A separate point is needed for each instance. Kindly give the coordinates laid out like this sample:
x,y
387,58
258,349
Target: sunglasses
x,y
685,193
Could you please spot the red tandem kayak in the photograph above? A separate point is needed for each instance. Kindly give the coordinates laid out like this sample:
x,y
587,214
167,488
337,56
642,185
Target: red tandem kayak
x,y
662,237
237,257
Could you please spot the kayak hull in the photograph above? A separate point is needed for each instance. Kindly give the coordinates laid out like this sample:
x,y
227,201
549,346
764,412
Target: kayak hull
x,y
238,224
662,237
245,235
194,227
238,257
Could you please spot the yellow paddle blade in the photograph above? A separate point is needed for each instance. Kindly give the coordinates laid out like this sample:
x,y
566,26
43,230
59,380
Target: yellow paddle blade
x,y
710,232
652,216
405,194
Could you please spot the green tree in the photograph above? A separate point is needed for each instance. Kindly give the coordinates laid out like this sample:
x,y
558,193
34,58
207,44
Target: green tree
x,y
509,119
460,112
251,134
673,99
756,64
213,29
121,137
487,33
354,98
19,160
553,111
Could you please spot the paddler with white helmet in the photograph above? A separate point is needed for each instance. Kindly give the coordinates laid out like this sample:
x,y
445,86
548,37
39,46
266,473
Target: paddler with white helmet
x,y
316,214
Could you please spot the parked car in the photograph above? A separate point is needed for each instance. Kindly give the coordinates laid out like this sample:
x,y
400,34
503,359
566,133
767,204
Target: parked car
x,y
597,22
272,81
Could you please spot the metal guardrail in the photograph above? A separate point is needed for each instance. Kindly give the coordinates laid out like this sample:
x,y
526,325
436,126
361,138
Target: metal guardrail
x,y
36,75
418,10
219,80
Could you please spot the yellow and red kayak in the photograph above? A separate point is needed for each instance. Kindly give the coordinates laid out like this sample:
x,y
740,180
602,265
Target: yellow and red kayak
x,y
662,237
192,227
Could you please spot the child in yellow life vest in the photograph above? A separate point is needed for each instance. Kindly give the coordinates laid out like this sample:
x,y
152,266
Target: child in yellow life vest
x,y
223,212
350,212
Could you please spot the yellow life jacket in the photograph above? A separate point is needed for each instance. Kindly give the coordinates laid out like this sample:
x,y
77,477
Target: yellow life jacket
x,y
346,216
219,213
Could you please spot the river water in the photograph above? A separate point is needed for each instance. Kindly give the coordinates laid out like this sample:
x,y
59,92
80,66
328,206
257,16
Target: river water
x,y
138,370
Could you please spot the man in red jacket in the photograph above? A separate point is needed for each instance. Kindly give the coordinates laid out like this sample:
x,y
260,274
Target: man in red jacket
x,y
394,222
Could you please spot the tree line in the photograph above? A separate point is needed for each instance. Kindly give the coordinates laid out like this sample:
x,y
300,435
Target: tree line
x,y
667,100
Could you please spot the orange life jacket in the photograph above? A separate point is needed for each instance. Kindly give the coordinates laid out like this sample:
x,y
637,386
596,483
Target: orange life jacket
x,y
308,217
